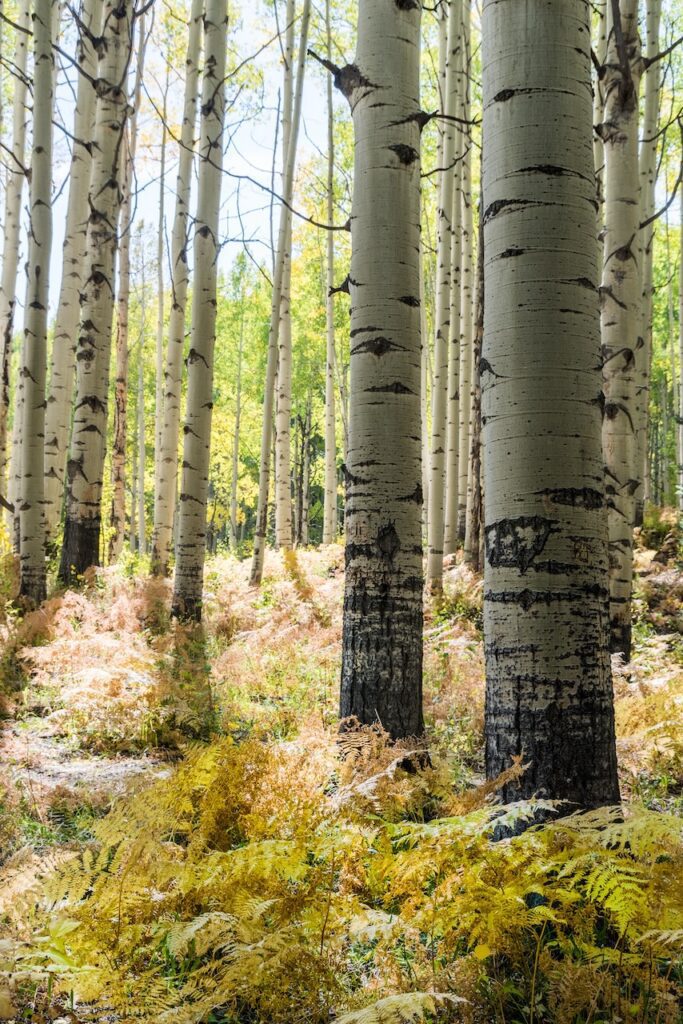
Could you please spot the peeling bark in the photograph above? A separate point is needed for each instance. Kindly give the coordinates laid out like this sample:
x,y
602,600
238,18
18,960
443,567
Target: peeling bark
x,y
548,688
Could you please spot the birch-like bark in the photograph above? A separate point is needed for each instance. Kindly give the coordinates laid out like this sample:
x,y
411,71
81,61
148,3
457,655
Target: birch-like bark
x,y
424,391
283,416
118,457
165,491
680,359
85,467
63,361
261,526
236,438
191,543
34,349
474,494
330,498
159,350
621,311
448,236
14,185
648,180
599,95
549,693
141,450
382,632
466,335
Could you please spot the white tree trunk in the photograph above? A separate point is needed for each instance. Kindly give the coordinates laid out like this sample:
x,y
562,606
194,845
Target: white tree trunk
x,y
447,235
191,544
63,361
236,438
680,359
165,491
159,352
466,334
34,350
118,459
648,179
382,633
549,694
141,450
274,334
621,313
85,467
330,499
14,185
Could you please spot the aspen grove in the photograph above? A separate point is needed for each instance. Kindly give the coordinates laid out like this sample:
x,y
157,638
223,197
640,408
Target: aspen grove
x,y
341,511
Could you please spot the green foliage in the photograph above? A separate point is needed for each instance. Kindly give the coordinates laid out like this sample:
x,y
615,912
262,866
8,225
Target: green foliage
x,y
280,883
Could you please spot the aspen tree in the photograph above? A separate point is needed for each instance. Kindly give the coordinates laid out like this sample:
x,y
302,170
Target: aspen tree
x,y
466,275
85,467
447,235
165,492
159,349
283,416
621,309
118,459
141,448
549,693
34,349
648,180
14,187
63,360
680,358
330,501
274,332
236,438
599,94
191,542
474,495
382,632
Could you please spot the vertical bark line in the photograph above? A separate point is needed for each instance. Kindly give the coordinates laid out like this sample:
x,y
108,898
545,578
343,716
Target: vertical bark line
x,y
448,236
424,393
474,492
648,180
166,488
466,274
85,466
330,498
34,349
382,632
600,48
680,360
548,680
236,438
63,362
454,374
141,448
159,348
191,539
621,314
118,458
261,526
14,186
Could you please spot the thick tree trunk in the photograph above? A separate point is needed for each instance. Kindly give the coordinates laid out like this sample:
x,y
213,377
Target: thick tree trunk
x,y
85,467
382,633
14,185
191,544
549,693
63,363
330,501
648,179
118,456
279,279
165,492
34,352
621,311
448,235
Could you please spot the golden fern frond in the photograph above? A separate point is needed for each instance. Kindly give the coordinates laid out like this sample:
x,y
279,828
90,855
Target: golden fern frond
x,y
404,1008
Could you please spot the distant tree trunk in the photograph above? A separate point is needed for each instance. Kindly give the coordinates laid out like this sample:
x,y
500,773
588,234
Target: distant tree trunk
x,y
330,503
548,685
680,358
236,439
424,394
466,361
447,232
159,362
34,351
63,363
621,310
648,180
279,277
85,467
118,456
165,492
11,228
141,450
474,495
382,632
191,546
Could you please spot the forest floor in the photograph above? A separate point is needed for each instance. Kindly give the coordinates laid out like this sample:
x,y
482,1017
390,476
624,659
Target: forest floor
x,y
103,695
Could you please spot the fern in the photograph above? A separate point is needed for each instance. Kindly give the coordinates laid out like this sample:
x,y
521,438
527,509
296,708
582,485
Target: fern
x,y
404,1008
